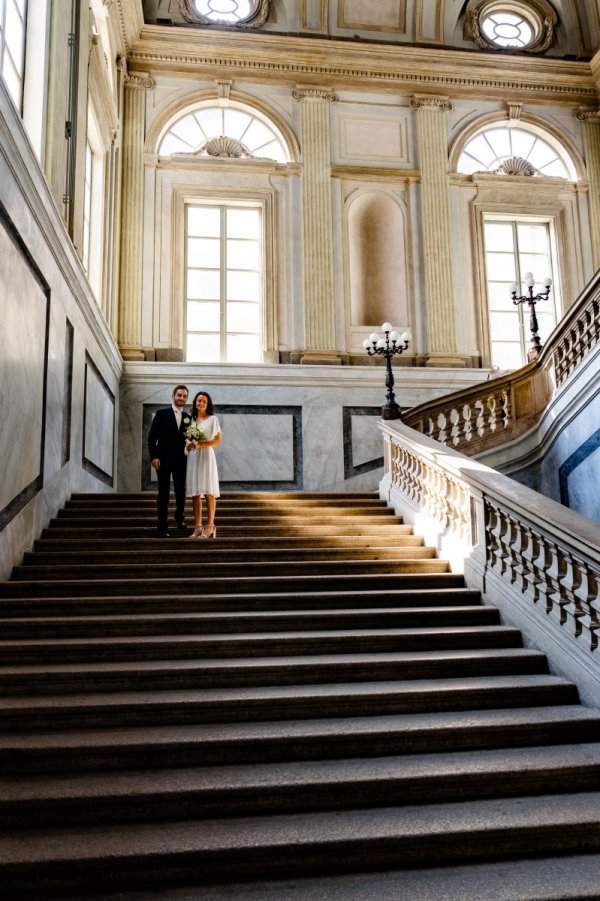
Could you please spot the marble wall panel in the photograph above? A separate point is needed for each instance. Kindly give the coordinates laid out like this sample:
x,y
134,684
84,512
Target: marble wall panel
x,y
99,424
285,427
362,441
24,318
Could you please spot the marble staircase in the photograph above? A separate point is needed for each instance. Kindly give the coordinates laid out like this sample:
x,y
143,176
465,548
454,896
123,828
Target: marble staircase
x,y
310,707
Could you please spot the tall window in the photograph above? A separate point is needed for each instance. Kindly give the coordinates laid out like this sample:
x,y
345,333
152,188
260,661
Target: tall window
x,y
93,207
12,46
223,283
512,248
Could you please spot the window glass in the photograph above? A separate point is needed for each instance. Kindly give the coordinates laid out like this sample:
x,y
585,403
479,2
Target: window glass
x,y
227,12
223,283
12,47
512,248
486,152
507,29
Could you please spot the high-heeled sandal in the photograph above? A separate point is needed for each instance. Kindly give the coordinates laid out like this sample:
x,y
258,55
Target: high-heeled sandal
x,y
213,532
197,533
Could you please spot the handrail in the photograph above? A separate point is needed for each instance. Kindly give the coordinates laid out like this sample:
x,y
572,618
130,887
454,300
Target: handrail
x,y
500,410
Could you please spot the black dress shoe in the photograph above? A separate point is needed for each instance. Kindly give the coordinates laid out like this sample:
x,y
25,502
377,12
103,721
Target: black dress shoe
x,y
180,523
162,533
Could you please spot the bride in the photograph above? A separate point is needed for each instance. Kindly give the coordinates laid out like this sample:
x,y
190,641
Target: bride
x,y
202,475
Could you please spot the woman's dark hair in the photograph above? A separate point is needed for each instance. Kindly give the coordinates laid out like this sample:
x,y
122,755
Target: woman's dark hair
x,y
210,409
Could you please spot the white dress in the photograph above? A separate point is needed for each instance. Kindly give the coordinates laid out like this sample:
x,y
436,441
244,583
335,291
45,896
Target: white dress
x,y
202,476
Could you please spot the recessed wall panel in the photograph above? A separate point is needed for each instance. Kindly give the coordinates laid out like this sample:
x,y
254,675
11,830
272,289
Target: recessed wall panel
x,y
99,425
24,308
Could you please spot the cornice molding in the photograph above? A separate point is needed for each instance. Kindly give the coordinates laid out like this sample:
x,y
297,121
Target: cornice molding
x,y
342,65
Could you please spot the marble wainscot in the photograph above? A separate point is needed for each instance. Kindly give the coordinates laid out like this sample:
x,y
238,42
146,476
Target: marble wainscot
x,y
59,364
285,427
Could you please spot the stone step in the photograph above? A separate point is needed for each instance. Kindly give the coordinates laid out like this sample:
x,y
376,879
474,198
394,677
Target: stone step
x,y
190,552
243,514
280,702
226,502
228,621
121,530
83,750
62,678
286,845
297,786
555,878
274,498
118,605
258,644
250,543
177,585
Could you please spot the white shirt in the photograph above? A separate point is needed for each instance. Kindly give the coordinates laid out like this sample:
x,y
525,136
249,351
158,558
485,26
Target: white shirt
x,y
178,414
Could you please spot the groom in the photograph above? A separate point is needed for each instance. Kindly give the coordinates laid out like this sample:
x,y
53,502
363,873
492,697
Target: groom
x,y
166,443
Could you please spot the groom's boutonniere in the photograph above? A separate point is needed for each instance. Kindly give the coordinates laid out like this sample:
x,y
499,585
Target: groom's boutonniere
x,y
186,420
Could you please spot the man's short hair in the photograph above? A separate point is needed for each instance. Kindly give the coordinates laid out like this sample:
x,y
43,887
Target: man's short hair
x,y
181,388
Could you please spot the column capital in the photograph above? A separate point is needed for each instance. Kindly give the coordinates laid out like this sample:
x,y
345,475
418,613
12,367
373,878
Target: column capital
x,y
302,92
140,80
588,115
419,101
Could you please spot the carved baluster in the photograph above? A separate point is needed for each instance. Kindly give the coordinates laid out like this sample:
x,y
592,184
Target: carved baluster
x,y
441,424
467,427
479,421
491,418
554,573
455,429
569,602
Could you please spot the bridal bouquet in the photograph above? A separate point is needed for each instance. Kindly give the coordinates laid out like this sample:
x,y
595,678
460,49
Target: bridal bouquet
x,y
194,433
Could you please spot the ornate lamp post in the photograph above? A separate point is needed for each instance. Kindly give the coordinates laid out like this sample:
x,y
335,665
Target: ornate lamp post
x,y
531,299
393,343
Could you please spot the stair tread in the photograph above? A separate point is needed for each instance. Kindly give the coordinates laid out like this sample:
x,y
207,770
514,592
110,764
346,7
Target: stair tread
x,y
471,820
290,693
263,777
262,636
555,878
306,729
256,663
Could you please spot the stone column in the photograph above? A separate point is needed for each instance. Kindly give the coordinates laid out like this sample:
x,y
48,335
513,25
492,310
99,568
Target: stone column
x,y
590,127
132,217
437,232
319,296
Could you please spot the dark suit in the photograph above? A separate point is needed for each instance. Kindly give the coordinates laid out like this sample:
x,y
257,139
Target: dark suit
x,y
167,442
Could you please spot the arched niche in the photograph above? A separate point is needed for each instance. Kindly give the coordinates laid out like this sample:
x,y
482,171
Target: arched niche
x,y
377,261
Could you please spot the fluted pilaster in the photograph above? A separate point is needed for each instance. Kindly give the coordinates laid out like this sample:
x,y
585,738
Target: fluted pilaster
x,y
437,231
590,127
319,300
132,216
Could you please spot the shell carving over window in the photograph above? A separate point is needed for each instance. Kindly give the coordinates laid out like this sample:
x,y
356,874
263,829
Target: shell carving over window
x,y
224,147
516,165
236,13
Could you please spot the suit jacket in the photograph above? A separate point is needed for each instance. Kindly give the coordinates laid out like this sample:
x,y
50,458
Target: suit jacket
x,y
165,440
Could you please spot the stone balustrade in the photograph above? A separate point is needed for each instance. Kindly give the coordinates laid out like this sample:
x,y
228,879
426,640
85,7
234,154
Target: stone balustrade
x,y
498,411
534,559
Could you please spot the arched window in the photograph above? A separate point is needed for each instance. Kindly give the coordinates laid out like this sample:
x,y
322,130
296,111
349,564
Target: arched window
x,y
513,150
225,132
